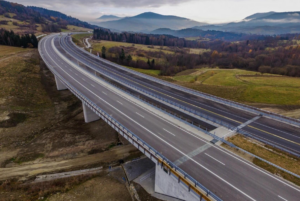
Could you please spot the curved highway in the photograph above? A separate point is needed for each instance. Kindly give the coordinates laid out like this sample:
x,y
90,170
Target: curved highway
x,y
276,132
226,175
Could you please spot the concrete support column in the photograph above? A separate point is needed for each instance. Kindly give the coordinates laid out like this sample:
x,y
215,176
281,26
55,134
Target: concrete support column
x,y
168,184
59,84
89,115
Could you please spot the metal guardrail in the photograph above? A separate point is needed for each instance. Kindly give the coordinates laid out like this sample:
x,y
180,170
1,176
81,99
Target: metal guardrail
x,y
187,109
203,95
123,130
212,135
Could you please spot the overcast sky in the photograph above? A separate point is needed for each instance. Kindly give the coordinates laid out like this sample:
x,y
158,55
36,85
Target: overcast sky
x,y
212,11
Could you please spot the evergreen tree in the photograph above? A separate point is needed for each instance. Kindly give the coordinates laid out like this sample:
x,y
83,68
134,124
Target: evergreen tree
x,y
103,50
148,62
152,62
129,58
34,41
122,55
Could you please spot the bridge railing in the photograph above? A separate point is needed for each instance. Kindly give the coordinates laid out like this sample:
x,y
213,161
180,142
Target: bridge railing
x,y
195,186
241,106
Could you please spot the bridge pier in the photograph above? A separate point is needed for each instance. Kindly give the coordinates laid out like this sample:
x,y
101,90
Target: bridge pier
x,y
168,184
89,115
59,85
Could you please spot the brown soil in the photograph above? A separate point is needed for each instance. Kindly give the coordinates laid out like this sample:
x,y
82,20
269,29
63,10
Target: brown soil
x,y
105,188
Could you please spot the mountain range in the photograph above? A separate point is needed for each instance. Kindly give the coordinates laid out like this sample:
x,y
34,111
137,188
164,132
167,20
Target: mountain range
x,y
259,23
262,23
105,18
149,21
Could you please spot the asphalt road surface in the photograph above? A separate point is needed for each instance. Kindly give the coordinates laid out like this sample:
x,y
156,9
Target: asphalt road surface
x,y
229,177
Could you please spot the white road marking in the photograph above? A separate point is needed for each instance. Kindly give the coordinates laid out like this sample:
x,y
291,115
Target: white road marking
x,y
169,132
92,85
282,198
158,136
214,158
140,115
104,92
120,102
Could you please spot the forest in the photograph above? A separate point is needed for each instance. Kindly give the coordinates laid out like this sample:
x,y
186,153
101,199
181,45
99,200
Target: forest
x,y
11,39
268,54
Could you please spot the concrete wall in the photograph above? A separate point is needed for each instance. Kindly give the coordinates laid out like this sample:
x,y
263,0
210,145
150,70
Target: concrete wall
x,y
168,184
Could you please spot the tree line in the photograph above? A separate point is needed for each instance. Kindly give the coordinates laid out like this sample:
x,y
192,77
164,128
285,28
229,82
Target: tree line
x,y
268,54
11,39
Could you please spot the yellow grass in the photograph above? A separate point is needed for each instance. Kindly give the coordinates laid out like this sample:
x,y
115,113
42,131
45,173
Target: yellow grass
x,y
274,156
76,28
6,51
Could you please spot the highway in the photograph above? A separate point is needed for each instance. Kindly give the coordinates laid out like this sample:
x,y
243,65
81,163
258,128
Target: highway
x,y
276,132
228,176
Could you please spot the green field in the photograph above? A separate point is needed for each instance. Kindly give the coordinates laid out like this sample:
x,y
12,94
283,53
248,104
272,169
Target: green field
x,y
243,86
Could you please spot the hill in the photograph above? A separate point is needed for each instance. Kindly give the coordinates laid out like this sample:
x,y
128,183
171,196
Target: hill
x,y
184,33
50,14
22,19
149,21
258,15
262,23
108,17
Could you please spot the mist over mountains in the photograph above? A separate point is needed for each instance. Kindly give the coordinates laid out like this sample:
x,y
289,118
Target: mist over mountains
x,y
269,23
147,22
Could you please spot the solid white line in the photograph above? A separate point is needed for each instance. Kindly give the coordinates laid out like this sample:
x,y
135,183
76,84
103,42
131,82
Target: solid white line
x,y
169,132
214,158
140,115
104,92
120,102
155,134
282,198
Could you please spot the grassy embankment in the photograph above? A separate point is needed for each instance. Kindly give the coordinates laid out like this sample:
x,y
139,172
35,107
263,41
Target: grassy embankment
x,y
275,156
20,80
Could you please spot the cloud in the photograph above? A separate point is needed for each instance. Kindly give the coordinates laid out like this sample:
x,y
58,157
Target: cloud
x,y
112,3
